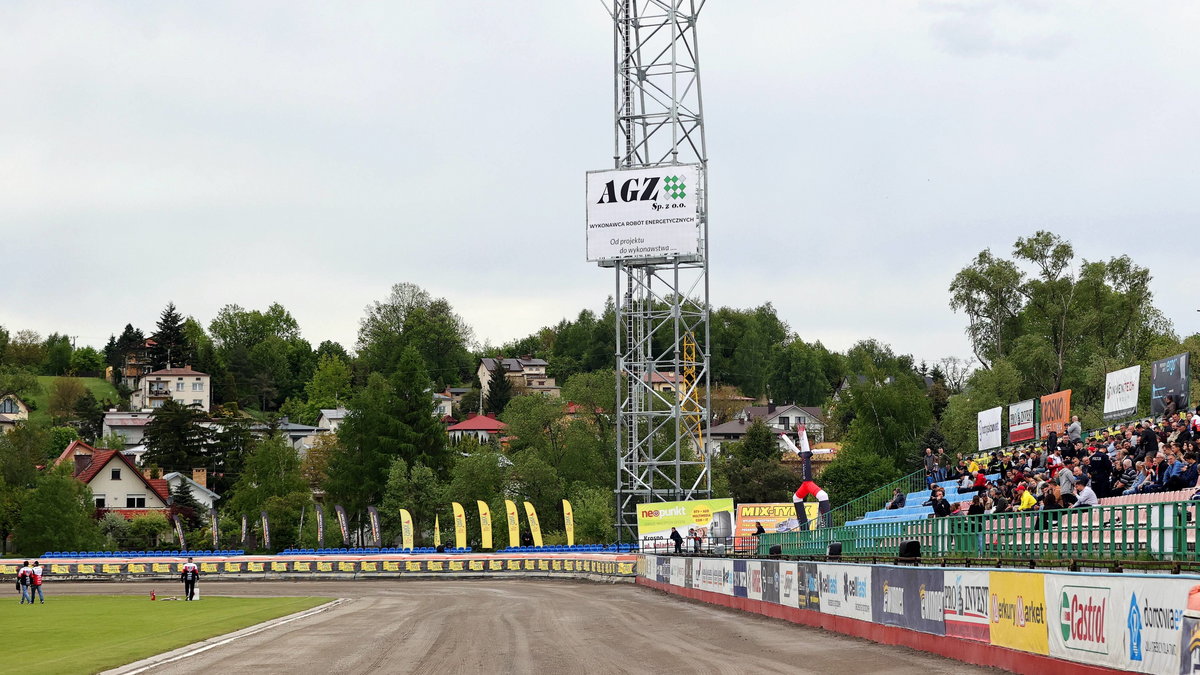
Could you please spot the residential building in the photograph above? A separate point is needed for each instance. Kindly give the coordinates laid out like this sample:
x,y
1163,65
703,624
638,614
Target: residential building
x,y
527,374
183,385
137,364
483,427
198,483
130,425
331,418
118,486
664,381
299,436
781,419
443,406
13,411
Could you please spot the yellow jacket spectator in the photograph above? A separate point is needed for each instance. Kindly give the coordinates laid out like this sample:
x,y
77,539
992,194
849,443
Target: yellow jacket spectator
x,y
1027,500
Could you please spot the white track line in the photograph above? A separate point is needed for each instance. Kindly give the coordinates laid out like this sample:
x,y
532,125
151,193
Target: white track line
x,y
246,632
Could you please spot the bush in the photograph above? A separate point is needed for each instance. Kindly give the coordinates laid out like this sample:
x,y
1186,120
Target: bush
x,y
854,474
146,530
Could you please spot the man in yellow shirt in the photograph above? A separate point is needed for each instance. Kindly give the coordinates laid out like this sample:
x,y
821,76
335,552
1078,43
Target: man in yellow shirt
x,y
1028,501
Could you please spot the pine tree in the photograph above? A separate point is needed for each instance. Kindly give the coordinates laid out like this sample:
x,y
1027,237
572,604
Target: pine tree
x,y
184,504
174,438
422,438
500,389
171,344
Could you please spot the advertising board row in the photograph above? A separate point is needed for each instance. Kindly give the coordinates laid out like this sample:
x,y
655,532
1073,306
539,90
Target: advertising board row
x,y
1125,622
318,566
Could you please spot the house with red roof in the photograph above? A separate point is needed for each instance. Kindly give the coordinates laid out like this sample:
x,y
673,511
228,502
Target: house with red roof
x,y
118,486
482,427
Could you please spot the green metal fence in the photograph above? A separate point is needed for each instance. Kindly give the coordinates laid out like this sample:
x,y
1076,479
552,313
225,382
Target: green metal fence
x,y
1157,531
876,499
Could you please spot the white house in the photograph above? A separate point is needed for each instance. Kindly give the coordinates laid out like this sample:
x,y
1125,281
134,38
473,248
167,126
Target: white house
x,y
183,385
527,374
207,498
331,418
779,418
130,425
12,411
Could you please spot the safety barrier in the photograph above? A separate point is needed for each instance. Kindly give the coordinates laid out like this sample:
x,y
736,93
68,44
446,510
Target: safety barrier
x,y
611,567
1022,621
1160,531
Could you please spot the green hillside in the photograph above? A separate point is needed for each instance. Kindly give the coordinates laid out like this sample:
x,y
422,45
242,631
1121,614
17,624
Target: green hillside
x,y
99,387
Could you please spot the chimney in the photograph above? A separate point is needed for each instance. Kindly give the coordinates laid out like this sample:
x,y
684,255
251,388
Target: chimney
x,y
472,416
492,415
770,407
82,462
201,477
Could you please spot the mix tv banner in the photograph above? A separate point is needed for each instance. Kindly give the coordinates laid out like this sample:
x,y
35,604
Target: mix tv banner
x,y
1021,422
1169,381
1056,413
988,428
1121,392
710,518
776,517
1135,623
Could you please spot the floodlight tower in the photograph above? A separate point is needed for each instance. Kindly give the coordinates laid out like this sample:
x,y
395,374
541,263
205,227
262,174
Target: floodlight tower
x,y
662,318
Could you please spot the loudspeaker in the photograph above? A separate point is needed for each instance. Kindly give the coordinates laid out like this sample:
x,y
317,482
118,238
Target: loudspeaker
x,y
910,549
835,549
776,550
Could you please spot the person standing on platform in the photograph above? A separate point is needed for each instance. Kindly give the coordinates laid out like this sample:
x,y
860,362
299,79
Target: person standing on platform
x,y
678,539
189,575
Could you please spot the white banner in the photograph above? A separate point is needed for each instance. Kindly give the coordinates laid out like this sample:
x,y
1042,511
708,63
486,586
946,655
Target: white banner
x,y
988,428
1121,392
643,213
789,584
713,575
678,571
754,580
966,605
1020,421
846,590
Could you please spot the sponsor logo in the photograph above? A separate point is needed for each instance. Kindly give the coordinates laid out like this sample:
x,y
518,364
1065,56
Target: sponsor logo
x,y
893,599
853,587
1018,613
965,601
1081,621
647,189
1144,621
1134,622
829,584
663,513
789,583
931,603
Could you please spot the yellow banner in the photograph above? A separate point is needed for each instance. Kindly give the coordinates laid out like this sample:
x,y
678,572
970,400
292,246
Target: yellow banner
x,y
514,524
254,567
569,522
369,566
1018,613
534,528
437,532
460,525
456,566
485,524
279,566
406,529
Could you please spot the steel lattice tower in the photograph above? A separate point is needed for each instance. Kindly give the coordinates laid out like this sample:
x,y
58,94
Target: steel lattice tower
x,y
662,321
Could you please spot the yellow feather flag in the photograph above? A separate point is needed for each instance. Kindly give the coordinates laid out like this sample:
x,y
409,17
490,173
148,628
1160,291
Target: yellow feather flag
x,y
569,522
460,525
406,529
437,532
514,524
485,523
534,528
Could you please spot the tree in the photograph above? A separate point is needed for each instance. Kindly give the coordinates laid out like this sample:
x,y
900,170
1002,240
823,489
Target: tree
x,y
57,359
26,350
147,529
18,382
57,516
57,440
853,474
86,361
418,490
89,416
885,420
500,389
171,346
272,469
422,437
65,393
410,317
174,438
753,469
184,505
358,468
315,465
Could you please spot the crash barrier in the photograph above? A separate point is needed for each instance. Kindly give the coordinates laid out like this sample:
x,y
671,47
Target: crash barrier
x,y
609,567
1023,621
1161,531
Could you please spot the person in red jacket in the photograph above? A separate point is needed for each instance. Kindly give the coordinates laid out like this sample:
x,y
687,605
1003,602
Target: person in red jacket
x,y
189,574
35,576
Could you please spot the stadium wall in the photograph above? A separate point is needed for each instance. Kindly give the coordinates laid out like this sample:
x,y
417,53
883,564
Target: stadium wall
x,y
1021,621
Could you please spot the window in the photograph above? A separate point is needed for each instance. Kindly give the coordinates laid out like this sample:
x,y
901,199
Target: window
x,y
197,402
9,407
197,386
783,422
116,474
99,501
178,386
157,403
135,501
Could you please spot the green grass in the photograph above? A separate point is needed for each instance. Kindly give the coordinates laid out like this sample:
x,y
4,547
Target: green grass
x,y
99,387
91,633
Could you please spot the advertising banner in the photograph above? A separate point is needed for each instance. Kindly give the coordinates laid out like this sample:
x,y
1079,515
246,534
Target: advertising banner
x,y
514,524
406,529
485,523
789,584
321,525
569,522
1146,623
754,579
1082,612
740,581
460,525
809,579
678,571
1121,392
770,581
1020,422
776,517
1018,611
643,213
965,605
437,531
987,427
266,530
846,590
1169,380
689,579
908,597
216,530
342,523
710,518
713,575
178,522
535,529
245,531
1056,413
376,526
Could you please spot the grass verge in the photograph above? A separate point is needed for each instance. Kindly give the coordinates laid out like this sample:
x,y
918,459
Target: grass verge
x,y
90,633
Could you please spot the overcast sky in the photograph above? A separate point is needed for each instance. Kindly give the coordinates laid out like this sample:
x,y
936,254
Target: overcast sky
x,y
316,153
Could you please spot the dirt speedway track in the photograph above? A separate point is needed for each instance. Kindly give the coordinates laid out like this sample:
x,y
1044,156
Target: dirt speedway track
x,y
524,626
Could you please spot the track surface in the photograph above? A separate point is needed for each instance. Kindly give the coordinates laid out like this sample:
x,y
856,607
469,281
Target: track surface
x,y
518,626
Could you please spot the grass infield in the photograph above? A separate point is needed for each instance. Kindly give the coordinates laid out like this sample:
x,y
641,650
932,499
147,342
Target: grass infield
x,y
90,633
